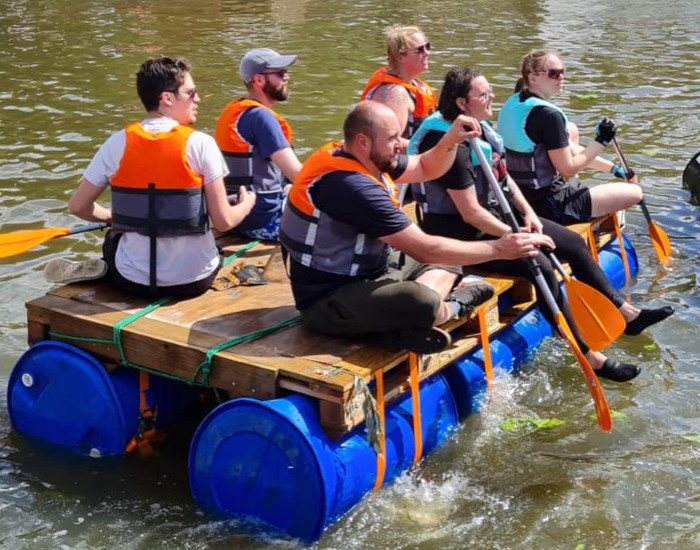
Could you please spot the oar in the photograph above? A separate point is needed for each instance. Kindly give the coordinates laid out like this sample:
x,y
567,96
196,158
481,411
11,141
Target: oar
x,y
18,242
12,244
600,402
598,319
691,178
659,238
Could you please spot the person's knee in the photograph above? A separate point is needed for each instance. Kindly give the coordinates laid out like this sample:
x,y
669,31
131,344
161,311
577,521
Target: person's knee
x,y
421,302
637,193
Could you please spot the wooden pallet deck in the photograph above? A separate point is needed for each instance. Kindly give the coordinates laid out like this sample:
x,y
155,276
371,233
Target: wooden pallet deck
x,y
174,338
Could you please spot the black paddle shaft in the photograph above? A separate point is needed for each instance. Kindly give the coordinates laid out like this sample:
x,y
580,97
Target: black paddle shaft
x,y
513,222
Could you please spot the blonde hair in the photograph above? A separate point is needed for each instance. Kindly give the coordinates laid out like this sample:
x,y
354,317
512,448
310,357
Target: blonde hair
x,y
532,63
398,42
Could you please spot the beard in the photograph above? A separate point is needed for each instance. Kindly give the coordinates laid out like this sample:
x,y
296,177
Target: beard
x,y
276,93
384,163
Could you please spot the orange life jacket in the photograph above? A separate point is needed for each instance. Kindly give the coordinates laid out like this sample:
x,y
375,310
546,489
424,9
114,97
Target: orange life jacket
x,y
421,92
247,165
316,240
155,191
226,133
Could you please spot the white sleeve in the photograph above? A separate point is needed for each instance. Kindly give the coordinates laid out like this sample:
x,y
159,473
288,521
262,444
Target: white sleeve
x,y
106,161
205,158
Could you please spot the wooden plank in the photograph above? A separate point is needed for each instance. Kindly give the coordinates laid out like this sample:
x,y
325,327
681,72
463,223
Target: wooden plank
x,y
174,338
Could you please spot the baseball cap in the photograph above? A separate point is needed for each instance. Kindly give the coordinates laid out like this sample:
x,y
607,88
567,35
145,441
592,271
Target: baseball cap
x,y
260,59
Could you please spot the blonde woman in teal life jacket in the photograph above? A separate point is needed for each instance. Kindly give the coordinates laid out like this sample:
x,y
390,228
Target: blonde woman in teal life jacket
x,y
543,154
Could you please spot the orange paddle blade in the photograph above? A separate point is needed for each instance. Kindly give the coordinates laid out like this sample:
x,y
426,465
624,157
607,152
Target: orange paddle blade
x,y
602,409
597,318
661,242
18,242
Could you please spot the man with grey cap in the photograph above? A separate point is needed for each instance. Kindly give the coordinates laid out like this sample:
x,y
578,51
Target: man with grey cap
x,y
257,142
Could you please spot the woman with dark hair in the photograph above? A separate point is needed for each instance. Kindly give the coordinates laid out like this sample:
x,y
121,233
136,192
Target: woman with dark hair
x,y
543,158
461,205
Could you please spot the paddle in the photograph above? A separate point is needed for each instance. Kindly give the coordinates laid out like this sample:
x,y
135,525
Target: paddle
x,y
659,238
598,319
18,242
691,178
12,244
600,402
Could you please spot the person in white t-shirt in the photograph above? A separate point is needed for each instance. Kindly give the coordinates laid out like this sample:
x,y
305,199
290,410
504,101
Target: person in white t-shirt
x,y
167,183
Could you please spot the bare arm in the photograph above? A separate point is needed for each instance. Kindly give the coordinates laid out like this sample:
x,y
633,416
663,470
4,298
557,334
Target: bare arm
x,y
225,216
530,218
399,100
83,203
569,162
474,214
601,164
440,250
287,161
598,163
436,161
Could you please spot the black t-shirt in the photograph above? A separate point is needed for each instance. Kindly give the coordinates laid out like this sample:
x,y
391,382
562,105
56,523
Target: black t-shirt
x,y
545,125
354,199
461,175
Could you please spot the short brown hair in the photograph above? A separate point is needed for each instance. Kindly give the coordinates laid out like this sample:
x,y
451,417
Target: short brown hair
x,y
162,74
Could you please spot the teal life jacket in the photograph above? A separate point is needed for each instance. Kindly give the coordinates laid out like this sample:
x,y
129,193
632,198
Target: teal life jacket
x,y
528,162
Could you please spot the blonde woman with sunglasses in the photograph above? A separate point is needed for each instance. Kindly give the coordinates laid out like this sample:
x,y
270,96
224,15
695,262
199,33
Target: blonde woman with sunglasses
x,y
397,85
543,154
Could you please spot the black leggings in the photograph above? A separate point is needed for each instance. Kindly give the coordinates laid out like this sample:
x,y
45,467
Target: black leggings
x,y
571,247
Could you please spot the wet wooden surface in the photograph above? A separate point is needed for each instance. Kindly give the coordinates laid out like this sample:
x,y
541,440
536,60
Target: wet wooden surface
x,y
174,338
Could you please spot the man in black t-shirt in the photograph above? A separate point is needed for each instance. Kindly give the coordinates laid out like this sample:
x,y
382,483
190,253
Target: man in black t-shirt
x,y
343,230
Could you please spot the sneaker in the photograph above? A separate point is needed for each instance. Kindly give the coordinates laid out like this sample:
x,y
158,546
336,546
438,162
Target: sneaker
x,y
646,318
65,271
417,340
616,371
470,296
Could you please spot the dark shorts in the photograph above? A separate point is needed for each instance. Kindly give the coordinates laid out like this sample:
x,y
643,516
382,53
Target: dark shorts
x,y
393,301
565,204
188,290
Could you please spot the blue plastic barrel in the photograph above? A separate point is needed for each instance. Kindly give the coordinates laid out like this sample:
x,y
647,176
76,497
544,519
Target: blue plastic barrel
x,y
271,462
611,261
509,348
512,346
62,396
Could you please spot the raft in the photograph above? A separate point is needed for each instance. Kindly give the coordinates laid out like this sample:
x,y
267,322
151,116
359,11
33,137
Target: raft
x,y
297,441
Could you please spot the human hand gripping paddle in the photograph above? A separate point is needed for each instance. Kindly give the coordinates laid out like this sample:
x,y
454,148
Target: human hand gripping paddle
x,y
600,402
659,238
18,242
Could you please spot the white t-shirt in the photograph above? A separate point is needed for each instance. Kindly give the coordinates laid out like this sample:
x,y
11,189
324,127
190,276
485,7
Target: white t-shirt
x,y
180,260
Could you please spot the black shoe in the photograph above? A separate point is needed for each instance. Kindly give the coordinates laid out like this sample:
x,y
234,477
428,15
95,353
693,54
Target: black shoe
x,y
616,371
646,318
418,340
470,296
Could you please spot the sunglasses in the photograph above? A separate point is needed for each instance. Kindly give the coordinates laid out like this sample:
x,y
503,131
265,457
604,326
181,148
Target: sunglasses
x,y
553,73
425,48
189,93
279,72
